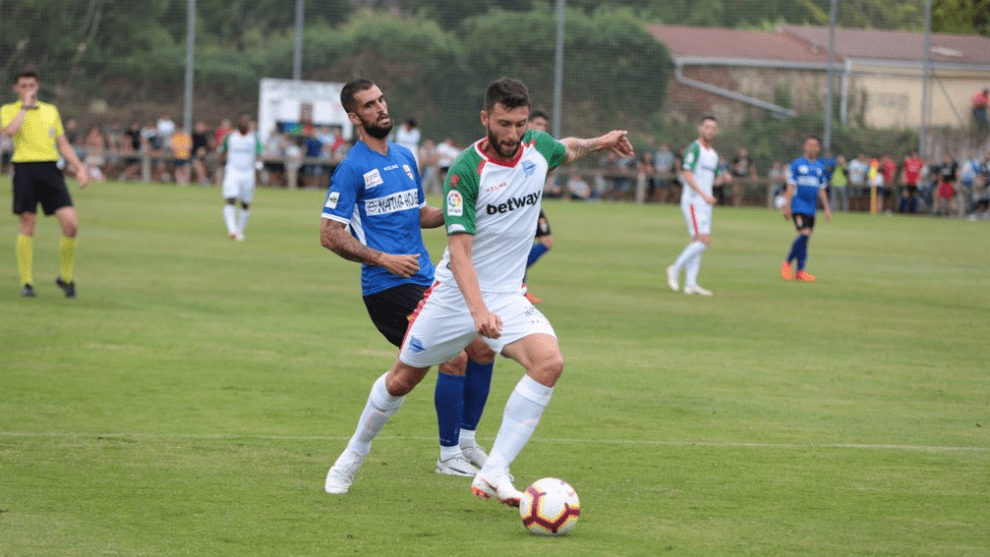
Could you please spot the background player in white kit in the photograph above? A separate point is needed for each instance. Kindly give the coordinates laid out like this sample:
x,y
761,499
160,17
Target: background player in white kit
x,y
492,203
241,149
700,172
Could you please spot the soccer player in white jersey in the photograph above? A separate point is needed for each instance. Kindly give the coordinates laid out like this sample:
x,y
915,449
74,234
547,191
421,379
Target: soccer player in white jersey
x,y
491,206
699,174
241,148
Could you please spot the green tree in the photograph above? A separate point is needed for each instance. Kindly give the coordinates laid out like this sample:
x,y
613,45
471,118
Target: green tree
x,y
961,16
71,43
615,72
904,15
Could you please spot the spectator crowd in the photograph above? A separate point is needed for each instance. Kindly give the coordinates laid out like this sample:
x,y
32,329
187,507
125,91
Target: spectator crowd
x,y
161,150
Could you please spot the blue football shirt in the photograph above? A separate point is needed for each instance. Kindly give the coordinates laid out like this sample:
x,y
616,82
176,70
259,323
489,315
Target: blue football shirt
x,y
808,177
379,198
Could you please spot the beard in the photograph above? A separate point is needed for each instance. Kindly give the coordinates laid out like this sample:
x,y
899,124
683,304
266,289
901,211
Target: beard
x,y
501,148
376,130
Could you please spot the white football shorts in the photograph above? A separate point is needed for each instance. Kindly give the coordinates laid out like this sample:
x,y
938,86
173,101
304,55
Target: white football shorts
x,y
698,217
442,325
238,185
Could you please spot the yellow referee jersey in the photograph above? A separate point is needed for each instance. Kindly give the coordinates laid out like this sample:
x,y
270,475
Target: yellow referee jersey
x,y
36,140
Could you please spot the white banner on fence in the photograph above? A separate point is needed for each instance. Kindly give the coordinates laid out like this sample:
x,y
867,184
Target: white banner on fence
x,y
290,104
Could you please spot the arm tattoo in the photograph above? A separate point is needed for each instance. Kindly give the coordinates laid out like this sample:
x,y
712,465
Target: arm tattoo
x,y
337,240
580,147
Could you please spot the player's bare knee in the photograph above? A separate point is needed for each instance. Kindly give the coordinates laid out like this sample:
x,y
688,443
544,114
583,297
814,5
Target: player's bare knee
x,y
69,225
402,379
231,201
456,365
548,371
479,352
546,240
27,223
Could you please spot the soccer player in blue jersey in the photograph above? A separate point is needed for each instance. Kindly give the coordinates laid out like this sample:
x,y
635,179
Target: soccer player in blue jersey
x,y
544,238
374,210
805,189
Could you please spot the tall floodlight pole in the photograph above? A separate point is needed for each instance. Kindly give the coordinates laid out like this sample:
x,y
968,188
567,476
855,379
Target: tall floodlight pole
x,y
187,110
926,70
831,76
558,71
190,61
297,54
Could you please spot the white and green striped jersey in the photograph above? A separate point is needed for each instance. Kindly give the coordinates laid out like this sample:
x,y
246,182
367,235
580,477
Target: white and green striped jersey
x,y
242,151
703,163
499,203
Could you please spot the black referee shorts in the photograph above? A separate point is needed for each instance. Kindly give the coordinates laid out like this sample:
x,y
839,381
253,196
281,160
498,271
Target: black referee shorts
x,y
39,182
390,309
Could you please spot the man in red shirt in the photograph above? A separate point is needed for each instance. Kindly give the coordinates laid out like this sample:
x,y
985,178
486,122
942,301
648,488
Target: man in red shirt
x,y
980,101
219,135
911,174
889,170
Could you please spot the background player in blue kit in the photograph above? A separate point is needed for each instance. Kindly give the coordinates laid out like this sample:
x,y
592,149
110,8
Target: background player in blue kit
x,y
805,188
544,238
374,211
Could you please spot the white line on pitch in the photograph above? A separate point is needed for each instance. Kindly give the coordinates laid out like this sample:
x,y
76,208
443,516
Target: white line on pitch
x,y
643,442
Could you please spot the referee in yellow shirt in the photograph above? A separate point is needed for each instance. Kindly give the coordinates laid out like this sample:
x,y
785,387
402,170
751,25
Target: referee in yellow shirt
x,y
36,129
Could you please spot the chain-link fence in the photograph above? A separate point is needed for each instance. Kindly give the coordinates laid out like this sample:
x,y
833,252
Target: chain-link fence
x,y
117,70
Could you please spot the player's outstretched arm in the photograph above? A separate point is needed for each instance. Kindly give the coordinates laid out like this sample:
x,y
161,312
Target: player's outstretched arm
x,y
486,323
335,237
430,217
615,140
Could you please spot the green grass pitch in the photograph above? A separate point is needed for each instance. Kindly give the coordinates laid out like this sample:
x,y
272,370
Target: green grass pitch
x,y
190,401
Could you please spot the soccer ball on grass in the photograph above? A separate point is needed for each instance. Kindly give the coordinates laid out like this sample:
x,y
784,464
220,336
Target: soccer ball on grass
x,y
549,507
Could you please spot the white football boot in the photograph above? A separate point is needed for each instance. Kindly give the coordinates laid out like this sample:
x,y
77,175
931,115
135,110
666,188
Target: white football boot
x,y
697,290
341,474
672,279
456,466
496,487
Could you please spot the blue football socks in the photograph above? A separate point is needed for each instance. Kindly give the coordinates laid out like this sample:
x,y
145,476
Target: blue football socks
x,y
448,397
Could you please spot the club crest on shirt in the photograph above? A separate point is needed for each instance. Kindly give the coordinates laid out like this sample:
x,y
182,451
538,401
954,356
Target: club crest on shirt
x,y
372,178
332,200
528,167
455,204
408,172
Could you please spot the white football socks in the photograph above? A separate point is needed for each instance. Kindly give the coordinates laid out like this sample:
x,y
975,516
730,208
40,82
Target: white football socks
x,y
692,249
377,411
691,270
230,217
466,438
519,420
242,222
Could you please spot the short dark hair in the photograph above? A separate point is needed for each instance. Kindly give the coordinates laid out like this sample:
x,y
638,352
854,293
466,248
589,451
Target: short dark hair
x,y
813,136
508,92
538,114
707,117
351,89
26,73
